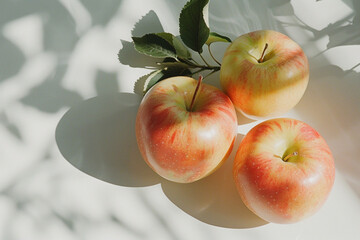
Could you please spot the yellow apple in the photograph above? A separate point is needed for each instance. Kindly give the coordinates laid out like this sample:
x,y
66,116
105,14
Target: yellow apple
x,y
264,73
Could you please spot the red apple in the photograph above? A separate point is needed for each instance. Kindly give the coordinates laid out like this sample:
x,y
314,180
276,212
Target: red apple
x,y
264,73
283,170
182,135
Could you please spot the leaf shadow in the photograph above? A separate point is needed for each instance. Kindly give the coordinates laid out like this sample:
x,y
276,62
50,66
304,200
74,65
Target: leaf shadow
x,y
11,127
12,58
59,29
348,34
56,96
106,82
149,23
127,55
139,85
102,11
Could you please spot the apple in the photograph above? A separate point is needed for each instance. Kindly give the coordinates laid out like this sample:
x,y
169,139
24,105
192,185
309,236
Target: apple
x,y
185,130
264,73
283,170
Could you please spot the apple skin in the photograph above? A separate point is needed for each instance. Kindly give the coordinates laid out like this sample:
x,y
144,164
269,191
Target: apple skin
x,y
180,145
283,191
260,90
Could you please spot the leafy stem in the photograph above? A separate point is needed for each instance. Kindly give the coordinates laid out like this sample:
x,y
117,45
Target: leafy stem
x,y
174,51
196,65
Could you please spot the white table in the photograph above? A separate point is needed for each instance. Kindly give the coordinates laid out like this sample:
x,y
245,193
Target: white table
x,y
67,110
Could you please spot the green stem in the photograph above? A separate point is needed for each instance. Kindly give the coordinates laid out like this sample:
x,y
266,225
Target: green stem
x,y
204,60
213,56
200,70
216,68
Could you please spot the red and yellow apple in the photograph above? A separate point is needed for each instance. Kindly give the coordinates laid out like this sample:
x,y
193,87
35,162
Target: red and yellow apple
x,y
185,136
264,73
283,170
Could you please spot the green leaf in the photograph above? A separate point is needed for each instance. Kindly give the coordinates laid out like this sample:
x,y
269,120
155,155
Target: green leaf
x,y
172,69
174,64
154,46
194,31
180,49
166,36
215,37
153,78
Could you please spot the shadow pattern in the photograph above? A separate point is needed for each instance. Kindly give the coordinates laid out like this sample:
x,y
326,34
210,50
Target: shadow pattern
x,y
88,135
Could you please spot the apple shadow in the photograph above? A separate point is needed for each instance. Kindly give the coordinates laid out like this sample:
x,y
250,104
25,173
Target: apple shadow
x,y
333,94
242,119
98,138
214,199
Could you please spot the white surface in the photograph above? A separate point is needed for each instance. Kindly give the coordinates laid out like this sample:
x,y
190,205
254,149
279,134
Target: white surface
x,y
63,88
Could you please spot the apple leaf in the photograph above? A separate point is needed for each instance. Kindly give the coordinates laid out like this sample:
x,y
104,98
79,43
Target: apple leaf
x,y
173,64
174,50
215,37
154,46
153,78
180,49
172,69
194,30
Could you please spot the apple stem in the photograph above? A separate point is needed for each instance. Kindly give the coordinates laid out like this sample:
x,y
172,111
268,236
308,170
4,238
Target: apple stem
x,y
261,59
195,93
290,155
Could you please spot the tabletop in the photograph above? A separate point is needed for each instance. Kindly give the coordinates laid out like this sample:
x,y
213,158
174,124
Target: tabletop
x,y
70,87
